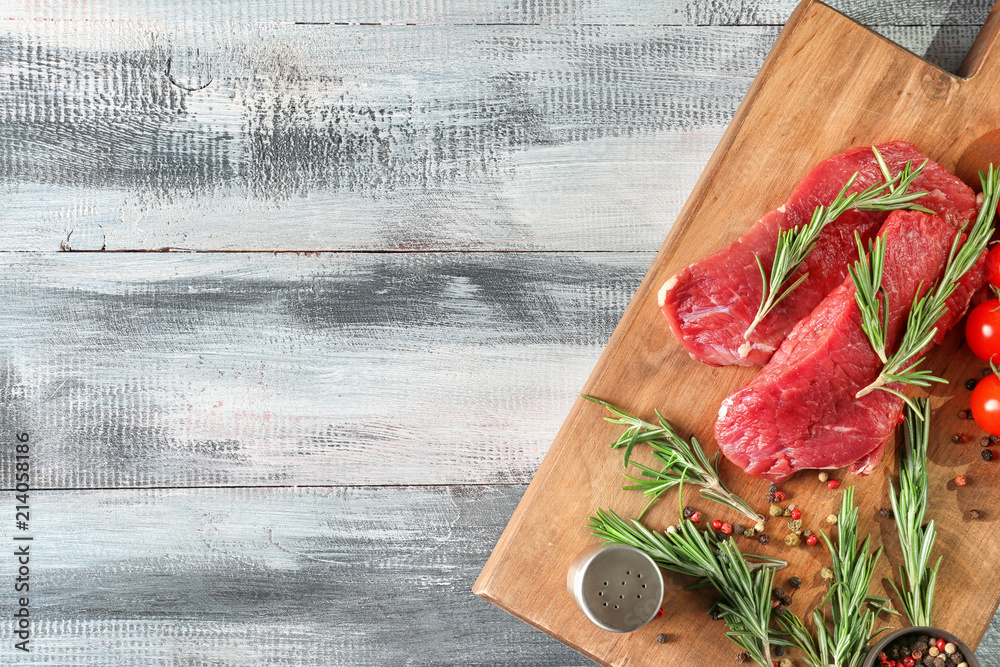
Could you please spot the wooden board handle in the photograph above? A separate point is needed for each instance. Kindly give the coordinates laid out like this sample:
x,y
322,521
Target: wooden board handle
x,y
985,44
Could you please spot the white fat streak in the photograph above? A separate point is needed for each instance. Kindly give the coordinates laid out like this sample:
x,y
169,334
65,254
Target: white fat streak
x,y
744,349
661,296
781,209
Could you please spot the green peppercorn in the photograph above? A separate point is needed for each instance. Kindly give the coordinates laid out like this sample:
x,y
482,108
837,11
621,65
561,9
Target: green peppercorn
x,y
775,510
795,525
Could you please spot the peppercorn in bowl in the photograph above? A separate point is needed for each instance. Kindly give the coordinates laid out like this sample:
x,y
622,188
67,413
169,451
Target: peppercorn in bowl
x,y
920,646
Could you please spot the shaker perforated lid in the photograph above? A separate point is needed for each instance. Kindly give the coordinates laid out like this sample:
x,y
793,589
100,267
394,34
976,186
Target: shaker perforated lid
x,y
619,588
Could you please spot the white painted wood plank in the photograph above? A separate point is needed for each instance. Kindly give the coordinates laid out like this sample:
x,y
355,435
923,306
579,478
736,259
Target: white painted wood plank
x,y
366,137
249,577
530,12
206,369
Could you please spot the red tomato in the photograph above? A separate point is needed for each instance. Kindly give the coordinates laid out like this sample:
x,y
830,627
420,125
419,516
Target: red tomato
x,y
982,330
986,403
993,266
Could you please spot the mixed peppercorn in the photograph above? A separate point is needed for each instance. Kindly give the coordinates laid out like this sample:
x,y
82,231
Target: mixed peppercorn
x,y
922,650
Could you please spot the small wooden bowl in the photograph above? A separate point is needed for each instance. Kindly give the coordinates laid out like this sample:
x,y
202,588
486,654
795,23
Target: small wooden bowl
x,y
872,659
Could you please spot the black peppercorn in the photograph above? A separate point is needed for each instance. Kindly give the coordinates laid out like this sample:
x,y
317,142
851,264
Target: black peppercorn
x,y
773,488
984,442
885,513
688,512
721,536
779,651
974,514
794,582
786,600
971,383
994,439
771,499
715,616
763,539
661,638
956,438
986,371
987,455
963,414
742,657
778,592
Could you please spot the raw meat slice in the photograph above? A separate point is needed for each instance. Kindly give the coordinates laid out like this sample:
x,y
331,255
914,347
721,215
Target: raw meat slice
x,y
800,411
710,304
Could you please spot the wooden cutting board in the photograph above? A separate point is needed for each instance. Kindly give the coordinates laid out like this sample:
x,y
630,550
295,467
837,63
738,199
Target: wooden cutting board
x,y
828,84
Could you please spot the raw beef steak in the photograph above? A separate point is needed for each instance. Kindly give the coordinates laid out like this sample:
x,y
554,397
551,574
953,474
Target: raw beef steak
x,y
800,411
710,304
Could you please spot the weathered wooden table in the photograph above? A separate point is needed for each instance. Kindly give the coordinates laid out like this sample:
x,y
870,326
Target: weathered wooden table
x,y
296,296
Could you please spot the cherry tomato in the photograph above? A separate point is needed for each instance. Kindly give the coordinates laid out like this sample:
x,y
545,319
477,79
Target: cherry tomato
x,y
993,266
982,330
986,403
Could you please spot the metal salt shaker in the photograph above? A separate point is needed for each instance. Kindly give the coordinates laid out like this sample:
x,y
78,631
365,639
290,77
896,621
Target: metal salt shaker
x,y
617,587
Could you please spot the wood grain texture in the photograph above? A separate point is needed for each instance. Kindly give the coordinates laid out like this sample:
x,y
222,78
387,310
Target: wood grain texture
x,y
208,369
872,91
240,135
248,577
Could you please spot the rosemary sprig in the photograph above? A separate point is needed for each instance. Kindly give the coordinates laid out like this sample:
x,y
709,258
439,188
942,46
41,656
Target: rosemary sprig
x,y
795,244
681,461
745,588
909,506
867,276
926,311
853,610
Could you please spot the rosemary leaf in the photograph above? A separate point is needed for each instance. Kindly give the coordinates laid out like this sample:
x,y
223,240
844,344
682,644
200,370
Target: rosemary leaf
x,y
795,244
853,610
681,461
745,588
909,505
867,276
927,310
